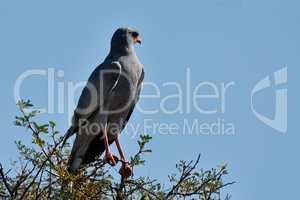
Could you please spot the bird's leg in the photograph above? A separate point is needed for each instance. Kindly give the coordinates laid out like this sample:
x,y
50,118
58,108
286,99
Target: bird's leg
x,y
109,157
126,169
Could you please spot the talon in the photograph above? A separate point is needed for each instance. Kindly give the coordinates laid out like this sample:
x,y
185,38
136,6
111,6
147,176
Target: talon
x,y
126,170
111,159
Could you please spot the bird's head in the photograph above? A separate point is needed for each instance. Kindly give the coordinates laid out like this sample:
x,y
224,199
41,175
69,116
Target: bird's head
x,y
124,39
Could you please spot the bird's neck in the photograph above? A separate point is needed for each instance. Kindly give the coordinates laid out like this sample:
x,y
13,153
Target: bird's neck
x,y
124,50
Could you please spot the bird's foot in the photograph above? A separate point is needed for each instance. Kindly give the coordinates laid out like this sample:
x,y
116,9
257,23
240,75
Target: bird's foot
x,y
126,170
111,159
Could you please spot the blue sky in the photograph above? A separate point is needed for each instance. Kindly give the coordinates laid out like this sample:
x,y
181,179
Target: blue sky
x,y
220,41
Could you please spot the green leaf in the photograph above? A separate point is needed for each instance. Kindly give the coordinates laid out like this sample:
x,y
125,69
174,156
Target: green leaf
x,y
39,142
52,124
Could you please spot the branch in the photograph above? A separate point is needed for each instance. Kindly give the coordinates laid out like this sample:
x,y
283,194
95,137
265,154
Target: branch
x,y
184,175
4,179
40,170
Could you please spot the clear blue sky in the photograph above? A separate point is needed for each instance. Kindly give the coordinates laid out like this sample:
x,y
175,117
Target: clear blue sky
x,y
219,40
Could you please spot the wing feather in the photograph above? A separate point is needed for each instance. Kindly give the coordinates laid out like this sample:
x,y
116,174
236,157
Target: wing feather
x,y
100,85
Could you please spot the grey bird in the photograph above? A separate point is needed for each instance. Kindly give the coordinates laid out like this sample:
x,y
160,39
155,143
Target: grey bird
x,y
106,104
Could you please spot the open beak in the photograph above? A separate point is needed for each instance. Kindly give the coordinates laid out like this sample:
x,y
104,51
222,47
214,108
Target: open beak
x,y
137,40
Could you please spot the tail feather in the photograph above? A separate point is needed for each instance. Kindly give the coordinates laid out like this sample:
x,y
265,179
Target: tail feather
x,y
81,156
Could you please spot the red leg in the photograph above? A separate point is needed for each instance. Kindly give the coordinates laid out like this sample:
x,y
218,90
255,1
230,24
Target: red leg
x,y
109,157
126,169
120,149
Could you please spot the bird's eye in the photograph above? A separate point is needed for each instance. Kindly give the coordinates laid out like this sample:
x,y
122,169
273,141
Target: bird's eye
x,y
134,34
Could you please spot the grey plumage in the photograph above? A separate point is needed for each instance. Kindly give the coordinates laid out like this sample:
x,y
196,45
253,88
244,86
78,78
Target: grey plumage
x,y
108,100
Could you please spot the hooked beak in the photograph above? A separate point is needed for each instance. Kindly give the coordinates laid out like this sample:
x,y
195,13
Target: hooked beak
x,y
137,40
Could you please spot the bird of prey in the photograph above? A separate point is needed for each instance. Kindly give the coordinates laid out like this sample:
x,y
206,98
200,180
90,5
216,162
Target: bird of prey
x,y
106,104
